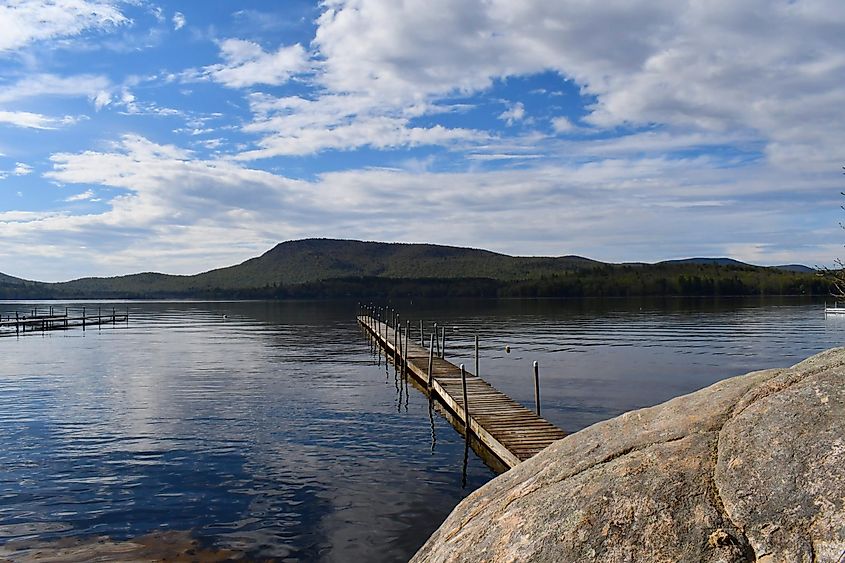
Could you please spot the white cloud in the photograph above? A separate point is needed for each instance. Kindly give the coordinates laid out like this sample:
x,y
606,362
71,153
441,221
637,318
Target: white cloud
x,y
714,66
562,125
297,126
84,196
84,85
183,214
26,21
247,64
179,21
22,169
29,120
102,99
514,113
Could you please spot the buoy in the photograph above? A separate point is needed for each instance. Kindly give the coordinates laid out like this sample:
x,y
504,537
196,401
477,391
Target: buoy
x,y
507,349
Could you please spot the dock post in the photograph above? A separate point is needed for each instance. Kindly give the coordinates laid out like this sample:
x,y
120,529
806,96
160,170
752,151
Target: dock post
x,y
83,319
395,336
405,348
65,317
17,325
430,362
421,333
476,357
537,386
466,402
112,315
443,352
437,338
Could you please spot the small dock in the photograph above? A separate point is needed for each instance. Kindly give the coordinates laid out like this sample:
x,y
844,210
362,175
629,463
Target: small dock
x,y
43,321
507,429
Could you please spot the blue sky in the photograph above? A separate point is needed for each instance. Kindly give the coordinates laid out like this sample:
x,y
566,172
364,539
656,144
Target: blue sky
x,y
180,137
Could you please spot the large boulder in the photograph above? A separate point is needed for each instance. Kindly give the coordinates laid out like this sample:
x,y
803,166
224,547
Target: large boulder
x,y
749,469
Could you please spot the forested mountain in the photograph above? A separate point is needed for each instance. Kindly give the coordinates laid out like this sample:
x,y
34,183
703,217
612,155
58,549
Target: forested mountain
x,y
326,268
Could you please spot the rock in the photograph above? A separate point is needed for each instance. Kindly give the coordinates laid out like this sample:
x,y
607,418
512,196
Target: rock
x,y
750,468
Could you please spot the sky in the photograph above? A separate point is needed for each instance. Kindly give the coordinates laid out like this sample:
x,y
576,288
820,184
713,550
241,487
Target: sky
x,y
184,136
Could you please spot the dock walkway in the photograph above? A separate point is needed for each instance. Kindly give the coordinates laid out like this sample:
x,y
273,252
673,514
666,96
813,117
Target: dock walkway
x,y
509,430
33,322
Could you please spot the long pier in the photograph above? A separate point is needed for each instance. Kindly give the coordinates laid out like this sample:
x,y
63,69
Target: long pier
x,y
32,321
507,429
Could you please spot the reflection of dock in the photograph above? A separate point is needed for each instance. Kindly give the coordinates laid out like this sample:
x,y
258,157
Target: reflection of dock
x,y
837,309
507,429
32,321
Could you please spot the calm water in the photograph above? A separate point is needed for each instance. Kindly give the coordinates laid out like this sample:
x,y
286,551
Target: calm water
x,y
273,432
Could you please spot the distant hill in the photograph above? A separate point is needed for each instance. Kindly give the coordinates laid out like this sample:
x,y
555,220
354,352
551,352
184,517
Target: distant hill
x,y
318,268
731,262
9,280
796,268
316,260
709,261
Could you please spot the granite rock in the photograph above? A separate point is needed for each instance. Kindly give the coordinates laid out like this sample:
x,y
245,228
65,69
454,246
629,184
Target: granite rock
x,y
749,469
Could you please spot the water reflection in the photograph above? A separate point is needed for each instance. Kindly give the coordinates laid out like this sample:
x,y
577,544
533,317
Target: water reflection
x,y
267,428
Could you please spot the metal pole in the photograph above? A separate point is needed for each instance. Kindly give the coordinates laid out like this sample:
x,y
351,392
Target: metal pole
x,y
405,348
537,387
395,335
476,356
430,360
466,402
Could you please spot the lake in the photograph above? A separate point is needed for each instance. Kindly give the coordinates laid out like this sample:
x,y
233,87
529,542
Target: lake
x,y
267,429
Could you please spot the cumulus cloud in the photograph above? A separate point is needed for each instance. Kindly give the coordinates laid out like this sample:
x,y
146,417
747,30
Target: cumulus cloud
x,y
247,64
514,113
89,86
562,125
186,214
22,169
296,126
29,120
179,21
26,21
102,99
713,66
84,196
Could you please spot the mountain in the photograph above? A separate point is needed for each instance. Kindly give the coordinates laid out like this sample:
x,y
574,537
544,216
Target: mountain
x,y
318,268
316,260
796,268
736,263
9,280
709,261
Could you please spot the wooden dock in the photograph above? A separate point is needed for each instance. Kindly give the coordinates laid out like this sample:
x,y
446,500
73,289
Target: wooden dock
x,y
507,429
32,321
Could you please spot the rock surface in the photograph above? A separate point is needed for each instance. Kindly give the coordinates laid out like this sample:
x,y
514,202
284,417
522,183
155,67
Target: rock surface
x,y
749,469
